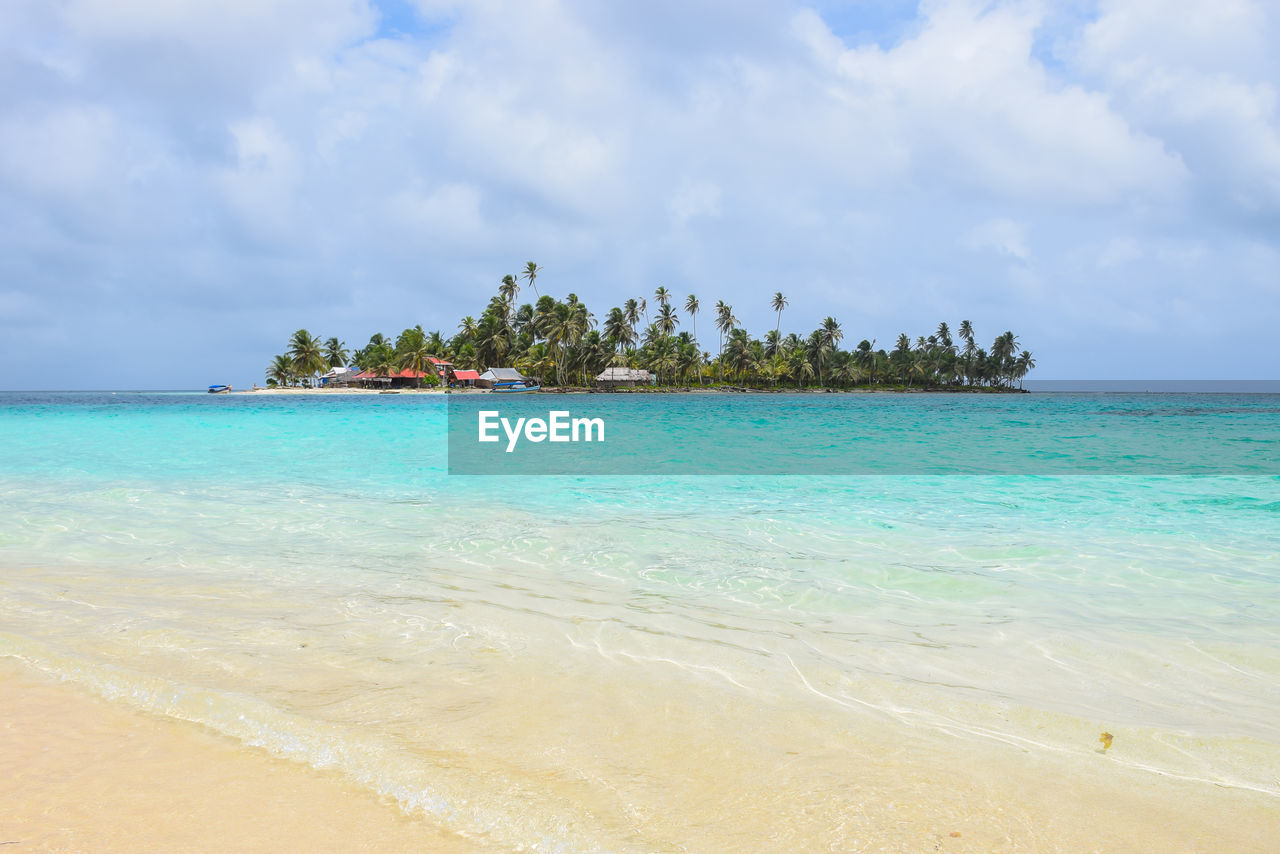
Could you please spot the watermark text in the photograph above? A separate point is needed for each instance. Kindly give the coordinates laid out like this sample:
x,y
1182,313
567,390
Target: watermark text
x,y
558,426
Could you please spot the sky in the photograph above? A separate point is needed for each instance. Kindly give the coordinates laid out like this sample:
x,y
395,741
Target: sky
x,y
183,183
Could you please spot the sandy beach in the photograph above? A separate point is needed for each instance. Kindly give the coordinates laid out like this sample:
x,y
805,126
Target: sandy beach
x,y
81,774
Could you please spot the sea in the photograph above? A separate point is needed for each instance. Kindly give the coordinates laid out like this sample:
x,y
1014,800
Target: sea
x,y
717,659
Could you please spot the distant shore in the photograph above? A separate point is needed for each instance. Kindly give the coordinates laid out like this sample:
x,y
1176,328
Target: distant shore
x,y
638,390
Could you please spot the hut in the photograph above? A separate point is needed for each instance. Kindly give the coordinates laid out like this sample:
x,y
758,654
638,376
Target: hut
x,y
624,378
407,378
464,379
368,379
442,368
498,375
339,376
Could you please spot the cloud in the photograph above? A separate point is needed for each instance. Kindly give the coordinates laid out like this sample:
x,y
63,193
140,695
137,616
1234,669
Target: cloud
x,y
1205,81
251,167
1001,235
695,200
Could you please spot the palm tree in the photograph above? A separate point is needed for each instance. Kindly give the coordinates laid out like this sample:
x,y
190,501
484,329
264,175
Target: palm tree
x,y
384,361
616,328
568,323
779,302
691,306
831,335
667,319
800,366
866,359
335,353
531,271
280,371
413,354
307,354
510,287
970,351
725,321
1002,353
492,338
467,328
631,311
1024,364
663,295
688,358
944,335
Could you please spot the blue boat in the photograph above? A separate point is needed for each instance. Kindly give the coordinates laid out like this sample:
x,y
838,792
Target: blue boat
x,y
512,387
219,389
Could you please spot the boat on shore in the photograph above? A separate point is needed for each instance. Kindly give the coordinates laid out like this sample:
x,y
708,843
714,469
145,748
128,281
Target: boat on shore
x,y
219,389
514,387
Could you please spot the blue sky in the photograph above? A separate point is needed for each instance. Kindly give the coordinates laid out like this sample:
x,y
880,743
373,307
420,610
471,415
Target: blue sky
x,y
184,183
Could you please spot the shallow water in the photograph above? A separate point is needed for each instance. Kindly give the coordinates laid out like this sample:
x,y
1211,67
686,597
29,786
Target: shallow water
x,y
617,663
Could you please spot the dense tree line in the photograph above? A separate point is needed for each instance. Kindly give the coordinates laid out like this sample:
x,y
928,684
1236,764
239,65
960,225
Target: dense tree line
x,y
562,343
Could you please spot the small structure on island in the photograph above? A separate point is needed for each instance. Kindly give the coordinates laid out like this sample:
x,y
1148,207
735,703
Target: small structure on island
x,y
339,376
442,369
493,376
407,378
369,379
624,378
464,379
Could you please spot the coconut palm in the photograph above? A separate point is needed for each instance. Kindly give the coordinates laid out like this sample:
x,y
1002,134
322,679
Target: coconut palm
x,y
832,335
631,311
725,321
799,365
667,319
413,353
280,371
1023,366
662,295
691,306
531,271
944,335
779,302
616,328
335,353
467,328
307,354
510,288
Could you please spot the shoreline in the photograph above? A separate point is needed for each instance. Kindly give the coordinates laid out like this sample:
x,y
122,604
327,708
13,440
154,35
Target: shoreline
x,y
81,773
85,773
645,390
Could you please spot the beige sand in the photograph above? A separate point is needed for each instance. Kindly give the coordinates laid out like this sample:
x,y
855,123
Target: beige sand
x,y
80,774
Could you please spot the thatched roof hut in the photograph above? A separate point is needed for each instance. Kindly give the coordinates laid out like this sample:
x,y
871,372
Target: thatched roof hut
x,y
624,378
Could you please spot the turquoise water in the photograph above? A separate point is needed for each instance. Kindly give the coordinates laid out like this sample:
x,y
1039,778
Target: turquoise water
x,y
302,573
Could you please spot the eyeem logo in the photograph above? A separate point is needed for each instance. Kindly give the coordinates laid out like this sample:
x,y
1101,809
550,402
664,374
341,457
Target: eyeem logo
x,y
557,427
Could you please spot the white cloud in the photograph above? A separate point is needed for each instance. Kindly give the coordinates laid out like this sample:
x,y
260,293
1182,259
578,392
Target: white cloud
x,y
250,154
1003,236
973,109
1202,77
